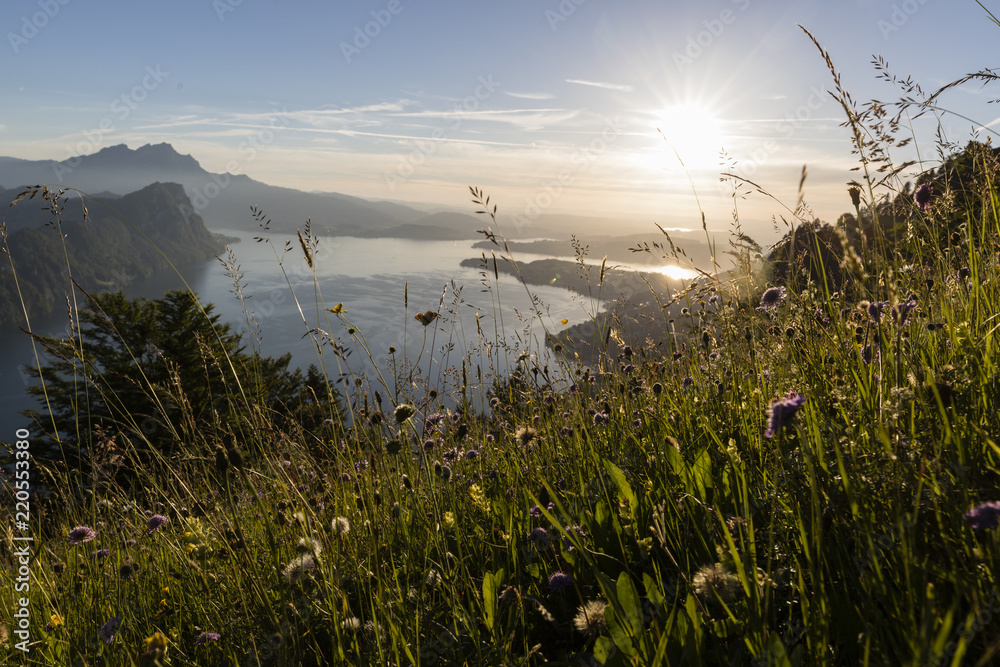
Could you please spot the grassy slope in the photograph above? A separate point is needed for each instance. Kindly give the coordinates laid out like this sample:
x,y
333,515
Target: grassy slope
x,y
649,481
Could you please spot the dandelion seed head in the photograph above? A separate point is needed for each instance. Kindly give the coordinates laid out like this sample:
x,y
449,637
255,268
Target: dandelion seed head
x,y
590,619
712,580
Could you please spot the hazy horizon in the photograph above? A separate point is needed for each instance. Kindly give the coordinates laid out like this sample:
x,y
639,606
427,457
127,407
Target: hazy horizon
x,y
551,106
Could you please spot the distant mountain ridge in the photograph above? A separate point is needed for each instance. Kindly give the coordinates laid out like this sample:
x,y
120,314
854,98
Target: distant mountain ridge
x,y
104,251
224,200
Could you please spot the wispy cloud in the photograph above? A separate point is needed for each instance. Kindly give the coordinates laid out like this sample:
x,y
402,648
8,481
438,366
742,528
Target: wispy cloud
x,y
601,84
530,96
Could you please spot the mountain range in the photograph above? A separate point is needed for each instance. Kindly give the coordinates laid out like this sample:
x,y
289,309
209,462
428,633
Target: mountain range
x,y
224,200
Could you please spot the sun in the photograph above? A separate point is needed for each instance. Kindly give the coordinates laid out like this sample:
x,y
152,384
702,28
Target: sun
x,y
691,132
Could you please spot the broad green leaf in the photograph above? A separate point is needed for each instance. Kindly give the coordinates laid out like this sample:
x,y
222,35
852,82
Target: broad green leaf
x,y
604,650
623,486
489,599
628,597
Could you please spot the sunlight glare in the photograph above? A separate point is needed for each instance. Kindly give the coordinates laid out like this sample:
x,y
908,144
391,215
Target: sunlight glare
x,y
694,132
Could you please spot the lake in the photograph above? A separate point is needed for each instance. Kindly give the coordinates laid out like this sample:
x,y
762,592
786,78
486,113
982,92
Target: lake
x,y
367,276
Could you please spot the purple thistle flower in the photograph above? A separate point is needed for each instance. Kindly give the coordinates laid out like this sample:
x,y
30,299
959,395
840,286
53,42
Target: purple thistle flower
x,y
559,581
206,637
875,310
108,629
772,298
900,312
156,522
535,511
781,411
540,537
81,534
923,197
101,554
984,516
471,454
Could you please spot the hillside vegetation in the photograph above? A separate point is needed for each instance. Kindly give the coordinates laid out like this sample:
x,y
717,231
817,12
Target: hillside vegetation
x,y
798,467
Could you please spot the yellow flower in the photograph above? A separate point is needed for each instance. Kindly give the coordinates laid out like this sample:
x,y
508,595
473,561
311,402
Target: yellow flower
x,y
157,641
564,321
339,308
449,519
56,620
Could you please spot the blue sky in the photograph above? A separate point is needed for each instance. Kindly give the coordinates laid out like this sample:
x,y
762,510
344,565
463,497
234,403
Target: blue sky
x,y
549,106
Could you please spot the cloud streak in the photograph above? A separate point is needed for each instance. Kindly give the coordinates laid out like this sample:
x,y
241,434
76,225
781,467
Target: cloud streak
x,y
601,84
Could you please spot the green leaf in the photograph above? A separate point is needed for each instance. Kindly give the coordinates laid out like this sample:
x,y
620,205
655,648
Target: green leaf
x,y
490,598
629,599
604,650
619,632
653,592
623,486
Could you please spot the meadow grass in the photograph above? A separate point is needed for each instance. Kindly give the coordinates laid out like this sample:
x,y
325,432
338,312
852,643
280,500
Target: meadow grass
x,y
672,502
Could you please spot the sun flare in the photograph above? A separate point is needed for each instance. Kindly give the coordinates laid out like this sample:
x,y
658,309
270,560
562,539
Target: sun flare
x,y
691,132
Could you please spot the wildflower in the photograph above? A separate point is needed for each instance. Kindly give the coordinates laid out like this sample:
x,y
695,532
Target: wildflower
x,y
525,435
126,571
688,381
902,310
54,622
964,273
772,298
300,569
590,619
715,579
101,554
782,410
984,516
559,581
922,197
156,642
352,624
540,537
875,310
309,545
340,526
855,193
471,454
403,412
81,534
156,522
108,629
206,637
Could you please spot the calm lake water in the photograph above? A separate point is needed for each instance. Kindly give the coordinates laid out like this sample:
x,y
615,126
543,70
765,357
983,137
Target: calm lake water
x,y
367,276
